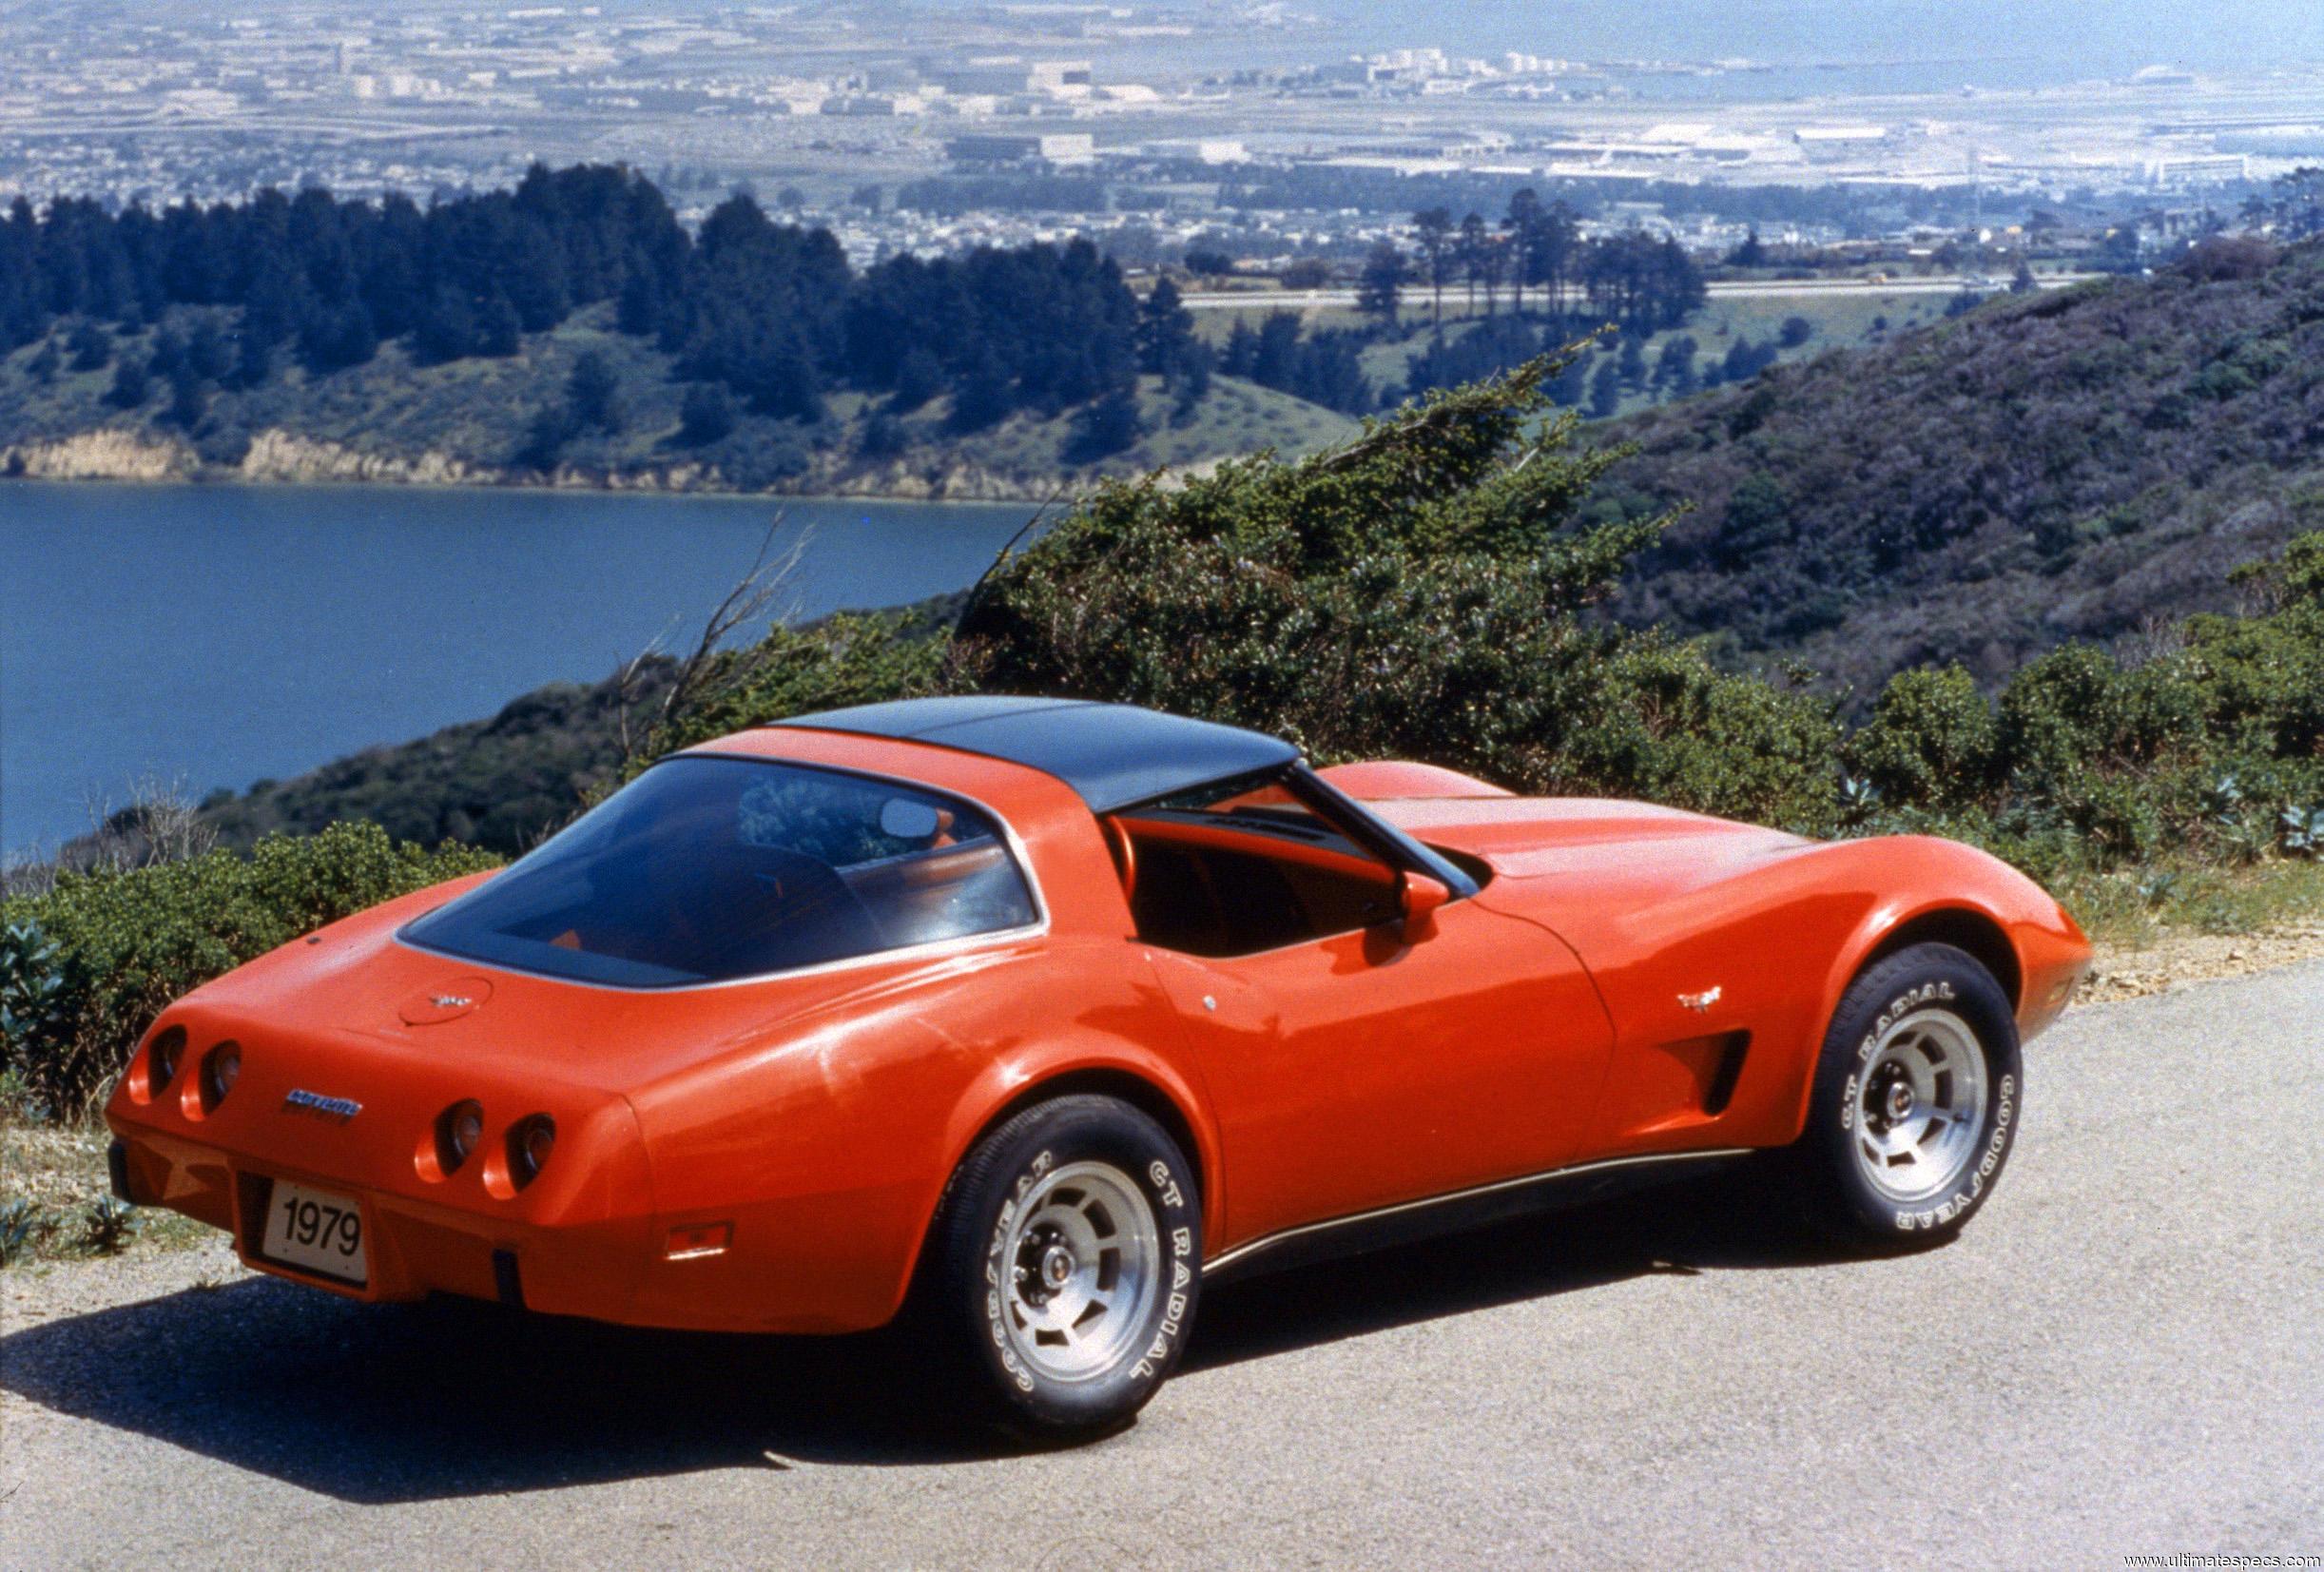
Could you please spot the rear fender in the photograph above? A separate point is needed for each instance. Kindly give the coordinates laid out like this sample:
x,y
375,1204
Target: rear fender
x,y
1103,1065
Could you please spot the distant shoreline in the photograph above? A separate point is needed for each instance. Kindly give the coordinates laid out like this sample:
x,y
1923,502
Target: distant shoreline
x,y
117,457
228,479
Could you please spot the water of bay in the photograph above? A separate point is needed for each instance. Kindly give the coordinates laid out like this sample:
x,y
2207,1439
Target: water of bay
x,y
216,634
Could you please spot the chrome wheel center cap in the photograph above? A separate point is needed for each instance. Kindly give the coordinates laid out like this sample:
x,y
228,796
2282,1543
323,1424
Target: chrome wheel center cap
x,y
1056,1266
1900,1100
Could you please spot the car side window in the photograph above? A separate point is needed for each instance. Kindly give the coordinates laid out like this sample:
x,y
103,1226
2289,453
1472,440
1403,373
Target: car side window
x,y
1204,884
708,868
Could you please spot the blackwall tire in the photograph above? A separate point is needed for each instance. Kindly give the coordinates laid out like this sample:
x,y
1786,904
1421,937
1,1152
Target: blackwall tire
x,y
1063,1268
1919,1091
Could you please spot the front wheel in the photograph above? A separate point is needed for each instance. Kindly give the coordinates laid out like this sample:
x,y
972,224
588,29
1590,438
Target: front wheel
x,y
1064,1265
1916,1100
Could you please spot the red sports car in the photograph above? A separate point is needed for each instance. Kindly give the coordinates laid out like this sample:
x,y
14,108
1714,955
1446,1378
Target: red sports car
x,y
1022,1017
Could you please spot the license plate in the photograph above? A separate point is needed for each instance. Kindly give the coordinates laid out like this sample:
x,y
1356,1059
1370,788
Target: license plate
x,y
316,1229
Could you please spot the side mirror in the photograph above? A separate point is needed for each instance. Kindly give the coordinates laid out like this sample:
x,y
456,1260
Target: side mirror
x,y
1420,895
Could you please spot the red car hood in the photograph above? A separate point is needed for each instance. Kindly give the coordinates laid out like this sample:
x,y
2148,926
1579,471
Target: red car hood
x,y
1632,852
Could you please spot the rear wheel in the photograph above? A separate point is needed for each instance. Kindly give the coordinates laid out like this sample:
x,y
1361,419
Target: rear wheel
x,y
1916,1100
1064,1265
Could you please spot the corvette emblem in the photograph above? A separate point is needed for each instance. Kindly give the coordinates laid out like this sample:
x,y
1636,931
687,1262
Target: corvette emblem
x,y
451,1002
1702,1002
337,1110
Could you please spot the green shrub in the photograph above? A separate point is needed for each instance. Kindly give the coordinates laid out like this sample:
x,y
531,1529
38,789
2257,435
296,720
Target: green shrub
x,y
1930,741
1422,592
22,1225
126,944
31,987
109,1226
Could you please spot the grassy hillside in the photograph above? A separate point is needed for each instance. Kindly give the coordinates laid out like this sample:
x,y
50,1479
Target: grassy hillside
x,y
1852,318
391,418
2087,464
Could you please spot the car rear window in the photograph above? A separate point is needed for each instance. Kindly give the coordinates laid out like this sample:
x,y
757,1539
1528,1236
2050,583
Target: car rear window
x,y
705,869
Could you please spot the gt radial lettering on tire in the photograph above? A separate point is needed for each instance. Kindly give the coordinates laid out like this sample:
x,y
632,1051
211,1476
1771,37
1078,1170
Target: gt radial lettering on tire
x,y
1914,1103
1074,1246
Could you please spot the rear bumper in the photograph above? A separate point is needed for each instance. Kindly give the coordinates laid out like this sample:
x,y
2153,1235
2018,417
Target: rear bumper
x,y
414,1247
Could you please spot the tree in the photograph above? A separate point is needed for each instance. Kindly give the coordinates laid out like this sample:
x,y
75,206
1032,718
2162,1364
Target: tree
x,y
1633,360
1479,258
1797,331
1206,264
186,400
1750,254
1165,330
980,394
253,355
705,415
883,437
133,384
1523,218
2023,281
447,329
1433,228
1570,387
593,393
1103,428
1307,273
1674,374
207,351
1192,380
1241,357
919,376
1380,286
640,311
90,345
771,311
1605,390
1276,359
499,333
1546,253
551,428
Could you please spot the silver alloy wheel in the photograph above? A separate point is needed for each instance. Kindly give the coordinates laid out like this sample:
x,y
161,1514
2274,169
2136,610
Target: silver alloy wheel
x,y
1921,1101
1084,1261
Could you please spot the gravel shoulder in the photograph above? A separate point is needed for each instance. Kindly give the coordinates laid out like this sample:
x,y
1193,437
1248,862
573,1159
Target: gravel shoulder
x,y
2119,1357
2177,960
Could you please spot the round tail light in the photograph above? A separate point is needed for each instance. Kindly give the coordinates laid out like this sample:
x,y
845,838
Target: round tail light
x,y
161,1056
221,1067
530,1142
457,1131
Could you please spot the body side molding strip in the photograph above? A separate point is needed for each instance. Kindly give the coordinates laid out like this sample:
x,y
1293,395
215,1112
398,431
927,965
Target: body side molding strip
x,y
1511,1189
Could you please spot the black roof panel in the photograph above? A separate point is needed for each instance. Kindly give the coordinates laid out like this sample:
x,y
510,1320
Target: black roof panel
x,y
1113,754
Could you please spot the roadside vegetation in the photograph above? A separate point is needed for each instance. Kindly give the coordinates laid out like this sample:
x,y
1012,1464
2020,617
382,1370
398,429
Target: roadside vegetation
x,y
2089,463
1434,589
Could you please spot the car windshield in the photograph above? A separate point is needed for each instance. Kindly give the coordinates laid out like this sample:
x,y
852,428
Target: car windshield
x,y
707,869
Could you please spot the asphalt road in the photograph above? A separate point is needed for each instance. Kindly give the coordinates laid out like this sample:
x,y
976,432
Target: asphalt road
x,y
2124,1356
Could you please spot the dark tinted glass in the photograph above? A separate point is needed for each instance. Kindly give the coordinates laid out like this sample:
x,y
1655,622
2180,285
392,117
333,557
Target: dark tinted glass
x,y
706,868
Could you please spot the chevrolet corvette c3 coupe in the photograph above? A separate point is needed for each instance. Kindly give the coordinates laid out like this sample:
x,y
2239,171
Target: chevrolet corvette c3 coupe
x,y
1020,1018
